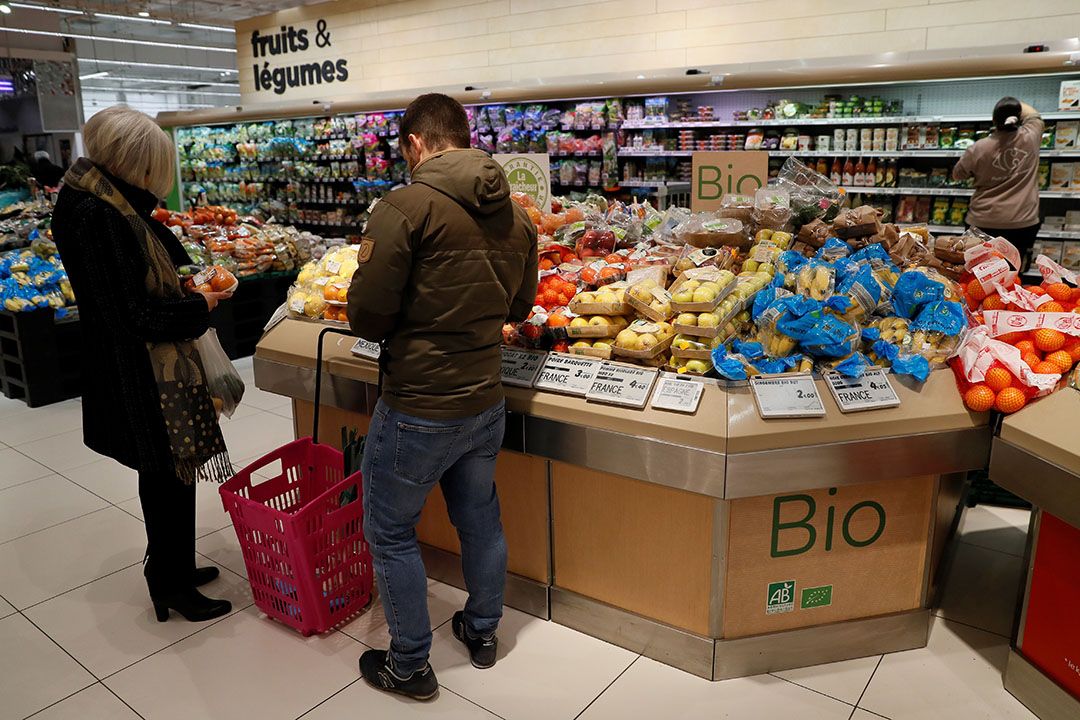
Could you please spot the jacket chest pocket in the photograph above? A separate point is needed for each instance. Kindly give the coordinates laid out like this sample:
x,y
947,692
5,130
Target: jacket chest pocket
x,y
423,453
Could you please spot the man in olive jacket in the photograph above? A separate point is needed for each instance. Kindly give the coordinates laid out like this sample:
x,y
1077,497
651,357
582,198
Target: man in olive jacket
x,y
443,264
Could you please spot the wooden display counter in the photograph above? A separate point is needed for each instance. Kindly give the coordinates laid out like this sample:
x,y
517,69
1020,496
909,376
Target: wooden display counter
x,y
716,542
1037,456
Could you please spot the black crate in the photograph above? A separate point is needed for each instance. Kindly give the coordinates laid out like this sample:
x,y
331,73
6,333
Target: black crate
x,y
239,321
39,354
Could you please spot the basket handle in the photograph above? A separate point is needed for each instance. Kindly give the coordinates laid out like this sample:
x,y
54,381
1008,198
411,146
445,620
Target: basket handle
x,y
318,379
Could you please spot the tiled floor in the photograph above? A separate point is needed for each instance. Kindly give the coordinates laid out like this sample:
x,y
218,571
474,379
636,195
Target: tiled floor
x,y
78,639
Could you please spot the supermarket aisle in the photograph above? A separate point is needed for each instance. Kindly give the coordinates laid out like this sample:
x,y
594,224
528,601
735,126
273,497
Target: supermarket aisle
x,y
78,640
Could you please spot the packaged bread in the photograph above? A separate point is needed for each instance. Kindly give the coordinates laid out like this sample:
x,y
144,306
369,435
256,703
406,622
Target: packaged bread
x,y
857,222
738,207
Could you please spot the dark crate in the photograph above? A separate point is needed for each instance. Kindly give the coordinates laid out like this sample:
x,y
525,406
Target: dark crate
x,y
40,356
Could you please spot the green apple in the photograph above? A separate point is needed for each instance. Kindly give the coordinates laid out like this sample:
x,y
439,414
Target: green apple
x,y
579,322
683,295
697,366
708,320
599,321
705,295
628,339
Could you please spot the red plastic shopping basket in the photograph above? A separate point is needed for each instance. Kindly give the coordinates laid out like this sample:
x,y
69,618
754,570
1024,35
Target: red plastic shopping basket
x,y
302,533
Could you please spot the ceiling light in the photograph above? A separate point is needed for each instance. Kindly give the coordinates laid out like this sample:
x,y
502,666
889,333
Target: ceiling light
x,y
101,74
159,91
212,28
143,18
5,8
640,77
121,41
158,81
144,13
45,8
159,65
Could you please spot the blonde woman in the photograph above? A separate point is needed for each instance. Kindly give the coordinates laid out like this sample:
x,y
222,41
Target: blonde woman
x,y
145,403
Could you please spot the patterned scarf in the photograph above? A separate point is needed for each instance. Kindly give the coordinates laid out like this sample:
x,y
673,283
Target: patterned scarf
x,y
198,449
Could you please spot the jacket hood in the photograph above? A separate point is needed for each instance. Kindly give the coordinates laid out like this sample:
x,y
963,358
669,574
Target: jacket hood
x,y
468,176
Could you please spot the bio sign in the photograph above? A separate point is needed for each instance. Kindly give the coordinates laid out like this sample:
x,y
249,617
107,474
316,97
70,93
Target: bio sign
x,y
716,174
528,173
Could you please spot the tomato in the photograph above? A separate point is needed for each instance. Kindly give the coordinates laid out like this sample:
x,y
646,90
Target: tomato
x,y
614,259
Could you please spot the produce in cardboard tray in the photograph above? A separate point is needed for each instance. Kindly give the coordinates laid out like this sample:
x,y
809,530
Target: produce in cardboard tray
x,y
308,296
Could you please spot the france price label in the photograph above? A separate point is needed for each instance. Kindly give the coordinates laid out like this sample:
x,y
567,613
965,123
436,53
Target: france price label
x,y
787,396
677,394
520,367
568,374
622,385
872,391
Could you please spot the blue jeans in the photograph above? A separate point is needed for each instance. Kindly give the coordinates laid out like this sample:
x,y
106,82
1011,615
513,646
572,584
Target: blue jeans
x,y
405,456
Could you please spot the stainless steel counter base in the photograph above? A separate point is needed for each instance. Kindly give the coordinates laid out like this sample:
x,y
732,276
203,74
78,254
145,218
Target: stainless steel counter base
x,y
715,659
1040,694
528,596
1043,484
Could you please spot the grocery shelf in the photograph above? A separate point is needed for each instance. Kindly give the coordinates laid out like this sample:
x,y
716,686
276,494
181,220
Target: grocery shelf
x,y
669,184
1071,194
953,192
861,120
1059,235
316,224
843,153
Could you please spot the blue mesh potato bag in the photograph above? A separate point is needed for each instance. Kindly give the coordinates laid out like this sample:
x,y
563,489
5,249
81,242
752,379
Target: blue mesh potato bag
x,y
900,363
941,316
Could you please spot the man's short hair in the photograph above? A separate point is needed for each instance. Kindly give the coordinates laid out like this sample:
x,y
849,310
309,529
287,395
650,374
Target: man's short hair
x,y
439,119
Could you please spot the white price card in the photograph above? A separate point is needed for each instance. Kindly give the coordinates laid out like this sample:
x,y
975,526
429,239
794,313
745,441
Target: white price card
x,y
787,396
622,385
872,391
280,314
678,394
570,374
366,349
520,367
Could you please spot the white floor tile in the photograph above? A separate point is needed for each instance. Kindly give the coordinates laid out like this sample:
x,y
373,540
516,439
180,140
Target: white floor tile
x,y
61,452
370,628
110,624
861,714
34,672
243,667
16,468
5,608
844,680
360,700
47,563
257,434
957,676
41,423
93,703
210,515
981,588
653,690
997,528
261,399
41,503
224,549
106,478
544,670
9,407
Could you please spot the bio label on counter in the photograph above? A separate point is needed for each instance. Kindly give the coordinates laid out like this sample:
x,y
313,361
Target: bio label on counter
x,y
872,391
789,396
677,394
622,385
568,374
520,367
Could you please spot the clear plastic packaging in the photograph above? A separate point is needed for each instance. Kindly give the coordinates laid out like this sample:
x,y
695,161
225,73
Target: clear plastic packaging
x,y
607,300
222,380
772,209
739,207
644,340
701,289
816,280
812,194
651,299
706,230
862,221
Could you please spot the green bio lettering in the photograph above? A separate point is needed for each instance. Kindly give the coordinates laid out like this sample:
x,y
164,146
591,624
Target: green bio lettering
x,y
787,536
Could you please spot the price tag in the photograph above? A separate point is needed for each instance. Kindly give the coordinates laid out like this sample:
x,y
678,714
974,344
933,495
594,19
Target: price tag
x,y
622,385
280,314
787,396
678,394
520,367
568,374
366,349
872,391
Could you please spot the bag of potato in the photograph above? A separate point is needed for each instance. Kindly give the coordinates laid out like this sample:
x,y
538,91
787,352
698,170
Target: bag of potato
x,y
816,280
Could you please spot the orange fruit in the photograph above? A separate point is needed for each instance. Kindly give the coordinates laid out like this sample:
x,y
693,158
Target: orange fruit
x,y
1051,307
993,302
1013,338
1010,400
998,378
1047,368
1031,360
1024,346
1073,348
1059,291
1035,289
979,398
1075,297
975,291
1048,339
1062,359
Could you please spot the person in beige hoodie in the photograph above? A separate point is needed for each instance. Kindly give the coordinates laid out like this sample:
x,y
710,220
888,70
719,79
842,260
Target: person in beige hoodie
x,y
1005,168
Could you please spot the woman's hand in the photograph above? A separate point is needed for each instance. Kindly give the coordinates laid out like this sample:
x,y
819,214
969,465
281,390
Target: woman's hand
x,y
213,298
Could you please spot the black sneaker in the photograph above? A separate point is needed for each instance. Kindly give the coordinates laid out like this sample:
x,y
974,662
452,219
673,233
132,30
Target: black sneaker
x,y
482,650
375,667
